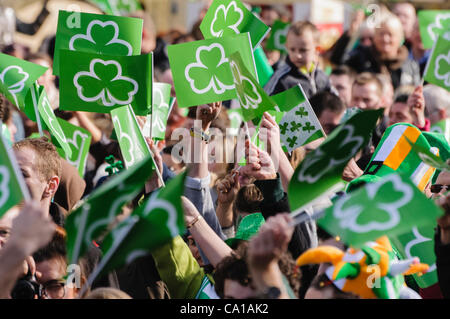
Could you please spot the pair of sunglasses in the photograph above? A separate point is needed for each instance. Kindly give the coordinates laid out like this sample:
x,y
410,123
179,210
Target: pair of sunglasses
x,y
436,188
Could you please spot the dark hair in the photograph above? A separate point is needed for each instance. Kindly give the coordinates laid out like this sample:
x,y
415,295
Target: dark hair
x,y
323,282
401,98
343,70
5,111
301,26
248,200
326,101
55,249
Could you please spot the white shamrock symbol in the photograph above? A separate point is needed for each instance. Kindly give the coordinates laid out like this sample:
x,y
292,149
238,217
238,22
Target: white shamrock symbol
x,y
106,94
305,174
4,189
159,98
277,38
348,217
52,122
225,13
88,36
17,87
439,23
214,83
121,137
155,203
73,141
246,99
442,63
418,239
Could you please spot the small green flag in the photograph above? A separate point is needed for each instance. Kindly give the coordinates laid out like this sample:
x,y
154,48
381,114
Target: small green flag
x,y
299,125
225,17
433,23
442,127
96,33
99,83
428,157
392,206
151,225
263,68
235,116
277,39
50,122
201,72
253,99
17,77
12,185
162,105
79,141
321,170
90,220
437,70
118,7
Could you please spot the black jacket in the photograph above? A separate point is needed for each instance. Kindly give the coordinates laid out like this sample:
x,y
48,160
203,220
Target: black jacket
x,y
442,264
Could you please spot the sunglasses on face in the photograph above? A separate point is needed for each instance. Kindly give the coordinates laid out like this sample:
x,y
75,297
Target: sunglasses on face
x,y
437,188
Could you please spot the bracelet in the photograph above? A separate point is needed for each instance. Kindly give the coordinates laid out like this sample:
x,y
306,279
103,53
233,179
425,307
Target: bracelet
x,y
200,134
196,219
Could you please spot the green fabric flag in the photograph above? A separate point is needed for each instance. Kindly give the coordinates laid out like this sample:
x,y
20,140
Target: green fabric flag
x,y
50,122
151,225
132,144
99,83
79,141
390,206
96,33
263,68
321,170
17,77
235,116
428,157
201,72
277,39
433,23
117,7
253,99
437,70
442,127
299,125
225,17
12,185
162,105
100,208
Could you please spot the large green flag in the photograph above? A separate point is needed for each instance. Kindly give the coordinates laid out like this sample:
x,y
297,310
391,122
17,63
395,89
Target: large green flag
x,y
225,17
253,99
299,125
201,72
17,77
12,186
117,7
99,83
79,141
131,141
151,225
96,33
50,122
263,68
91,219
442,127
437,70
321,170
392,206
278,35
433,23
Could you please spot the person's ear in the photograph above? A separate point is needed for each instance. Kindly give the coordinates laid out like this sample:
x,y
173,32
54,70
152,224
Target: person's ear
x,y
52,186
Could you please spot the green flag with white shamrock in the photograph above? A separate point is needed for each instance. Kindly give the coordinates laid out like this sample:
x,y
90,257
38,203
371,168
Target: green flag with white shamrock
x,y
12,185
263,67
235,116
99,83
162,105
100,208
151,225
201,71
17,77
253,99
442,127
79,141
278,35
428,157
393,206
117,7
433,23
96,33
50,122
299,125
132,144
437,70
321,170
419,242
225,17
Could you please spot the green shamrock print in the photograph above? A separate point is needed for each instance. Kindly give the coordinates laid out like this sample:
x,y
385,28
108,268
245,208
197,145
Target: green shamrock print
x,y
226,18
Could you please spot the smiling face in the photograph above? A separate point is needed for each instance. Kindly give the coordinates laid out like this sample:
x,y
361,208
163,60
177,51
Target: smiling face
x,y
301,49
388,38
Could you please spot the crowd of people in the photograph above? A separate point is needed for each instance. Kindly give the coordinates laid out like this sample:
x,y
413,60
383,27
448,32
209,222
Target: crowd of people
x,y
240,242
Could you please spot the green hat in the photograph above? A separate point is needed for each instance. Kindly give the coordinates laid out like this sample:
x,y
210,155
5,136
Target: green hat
x,y
248,227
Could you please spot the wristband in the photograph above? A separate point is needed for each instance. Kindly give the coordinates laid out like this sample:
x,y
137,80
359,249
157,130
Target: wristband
x,y
200,134
196,219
